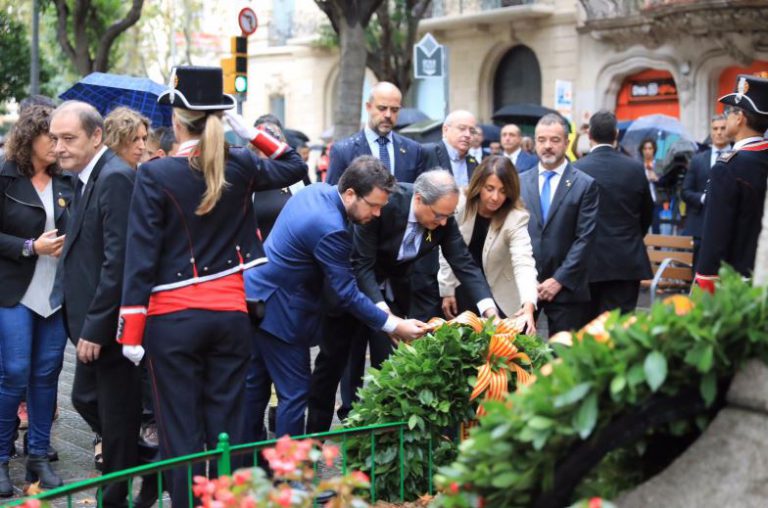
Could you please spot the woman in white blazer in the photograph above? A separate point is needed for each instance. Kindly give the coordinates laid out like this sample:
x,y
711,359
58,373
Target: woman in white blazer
x,y
494,224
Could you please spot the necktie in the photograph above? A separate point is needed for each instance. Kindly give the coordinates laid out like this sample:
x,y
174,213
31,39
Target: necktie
x,y
78,195
383,152
410,249
546,192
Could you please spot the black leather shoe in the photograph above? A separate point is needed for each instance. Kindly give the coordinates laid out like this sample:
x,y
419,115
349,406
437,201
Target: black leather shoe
x,y
39,469
53,455
148,493
6,487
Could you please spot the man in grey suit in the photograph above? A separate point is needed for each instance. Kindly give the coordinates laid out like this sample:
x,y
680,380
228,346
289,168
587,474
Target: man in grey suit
x,y
107,388
563,204
619,260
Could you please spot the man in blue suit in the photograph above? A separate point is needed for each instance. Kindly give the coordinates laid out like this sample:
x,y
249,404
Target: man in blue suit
x,y
309,243
512,148
403,157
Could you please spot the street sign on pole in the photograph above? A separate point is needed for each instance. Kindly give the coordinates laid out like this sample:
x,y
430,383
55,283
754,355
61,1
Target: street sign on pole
x,y
428,58
248,21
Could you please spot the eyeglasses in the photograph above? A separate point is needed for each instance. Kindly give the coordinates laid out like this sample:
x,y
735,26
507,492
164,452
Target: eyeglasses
x,y
465,128
372,205
439,216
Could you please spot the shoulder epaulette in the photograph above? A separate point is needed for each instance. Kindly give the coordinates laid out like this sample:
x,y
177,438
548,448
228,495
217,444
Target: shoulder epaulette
x,y
727,156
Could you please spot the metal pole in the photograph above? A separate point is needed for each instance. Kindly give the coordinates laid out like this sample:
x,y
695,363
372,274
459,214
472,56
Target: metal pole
x,y
34,67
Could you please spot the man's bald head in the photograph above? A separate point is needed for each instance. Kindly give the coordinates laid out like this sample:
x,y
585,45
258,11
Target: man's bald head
x,y
458,129
383,107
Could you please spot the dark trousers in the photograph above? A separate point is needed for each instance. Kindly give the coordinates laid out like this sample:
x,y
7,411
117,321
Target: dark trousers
x,y
197,365
696,247
287,366
564,316
613,294
107,394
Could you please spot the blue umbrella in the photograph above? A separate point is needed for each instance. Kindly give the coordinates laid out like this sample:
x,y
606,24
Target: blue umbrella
x,y
105,92
490,133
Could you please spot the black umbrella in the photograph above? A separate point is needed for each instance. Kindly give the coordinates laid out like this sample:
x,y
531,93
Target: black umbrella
x,y
426,131
408,116
491,133
526,114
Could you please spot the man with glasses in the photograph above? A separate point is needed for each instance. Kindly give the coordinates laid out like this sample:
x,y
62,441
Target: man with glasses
x,y
310,244
452,153
737,186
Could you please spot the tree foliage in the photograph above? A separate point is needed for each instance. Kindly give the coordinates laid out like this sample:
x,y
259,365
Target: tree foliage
x,y
87,30
390,38
14,66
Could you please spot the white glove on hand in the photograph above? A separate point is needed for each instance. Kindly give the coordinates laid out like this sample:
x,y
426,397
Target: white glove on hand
x,y
133,353
240,126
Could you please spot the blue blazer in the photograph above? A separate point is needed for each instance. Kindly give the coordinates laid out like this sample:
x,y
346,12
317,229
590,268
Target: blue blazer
x,y
526,161
694,186
310,242
409,157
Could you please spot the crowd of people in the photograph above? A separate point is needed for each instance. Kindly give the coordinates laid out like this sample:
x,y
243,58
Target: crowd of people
x,y
192,276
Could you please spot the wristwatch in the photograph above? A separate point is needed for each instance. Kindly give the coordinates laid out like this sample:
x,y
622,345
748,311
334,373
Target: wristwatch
x,y
29,248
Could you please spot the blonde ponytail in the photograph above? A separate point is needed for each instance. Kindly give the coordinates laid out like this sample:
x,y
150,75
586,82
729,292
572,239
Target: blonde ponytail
x,y
209,156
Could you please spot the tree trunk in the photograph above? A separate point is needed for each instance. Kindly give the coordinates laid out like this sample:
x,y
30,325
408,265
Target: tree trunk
x,y
346,116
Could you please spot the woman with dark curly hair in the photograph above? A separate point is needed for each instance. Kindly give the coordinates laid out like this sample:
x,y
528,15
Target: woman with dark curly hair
x,y
34,197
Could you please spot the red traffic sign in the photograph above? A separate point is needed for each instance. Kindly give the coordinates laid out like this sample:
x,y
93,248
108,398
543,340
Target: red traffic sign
x,y
248,21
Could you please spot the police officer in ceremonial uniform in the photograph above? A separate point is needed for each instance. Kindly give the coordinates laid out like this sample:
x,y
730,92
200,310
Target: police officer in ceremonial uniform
x,y
191,233
736,190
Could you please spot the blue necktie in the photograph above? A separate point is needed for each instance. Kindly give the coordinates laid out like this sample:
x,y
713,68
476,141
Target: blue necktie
x,y
410,249
383,152
546,198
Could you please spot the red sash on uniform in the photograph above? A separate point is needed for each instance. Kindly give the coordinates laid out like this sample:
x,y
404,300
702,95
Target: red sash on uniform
x,y
222,295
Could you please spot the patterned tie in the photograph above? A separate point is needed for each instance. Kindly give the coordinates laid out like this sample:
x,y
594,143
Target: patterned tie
x,y
383,152
410,248
546,198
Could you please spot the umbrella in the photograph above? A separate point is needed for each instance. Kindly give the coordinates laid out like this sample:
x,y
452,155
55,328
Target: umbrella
x,y
490,133
295,137
105,92
408,116
665,130
427,131
521,113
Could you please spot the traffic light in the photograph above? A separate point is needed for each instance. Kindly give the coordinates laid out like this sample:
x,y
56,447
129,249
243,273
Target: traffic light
x,y
236,67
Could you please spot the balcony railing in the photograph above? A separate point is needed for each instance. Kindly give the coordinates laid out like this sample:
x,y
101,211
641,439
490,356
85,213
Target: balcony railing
x,y
442,8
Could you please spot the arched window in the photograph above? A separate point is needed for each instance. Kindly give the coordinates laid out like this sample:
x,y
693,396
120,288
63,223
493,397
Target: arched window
x,y
518,78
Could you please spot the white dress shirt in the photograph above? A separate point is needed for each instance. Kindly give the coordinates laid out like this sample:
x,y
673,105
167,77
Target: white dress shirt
x,y
554,181
85,174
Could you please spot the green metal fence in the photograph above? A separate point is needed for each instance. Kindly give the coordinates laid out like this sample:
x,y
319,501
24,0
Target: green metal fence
x,y
222,455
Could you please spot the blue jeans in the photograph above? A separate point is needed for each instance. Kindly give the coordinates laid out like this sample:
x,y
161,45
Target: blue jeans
x,y
31,354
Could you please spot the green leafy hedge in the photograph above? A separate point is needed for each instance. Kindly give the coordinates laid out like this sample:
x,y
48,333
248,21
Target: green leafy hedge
x,y
426,383
511,457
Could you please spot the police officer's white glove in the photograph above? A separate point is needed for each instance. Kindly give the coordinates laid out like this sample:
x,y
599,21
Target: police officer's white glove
x,y
133,353
261,139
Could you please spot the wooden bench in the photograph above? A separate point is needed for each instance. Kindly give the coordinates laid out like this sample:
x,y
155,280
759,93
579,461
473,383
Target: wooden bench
x,y
671,263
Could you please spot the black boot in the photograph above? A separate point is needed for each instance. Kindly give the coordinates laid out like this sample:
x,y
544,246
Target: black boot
x,y
39,468
148,493
6,487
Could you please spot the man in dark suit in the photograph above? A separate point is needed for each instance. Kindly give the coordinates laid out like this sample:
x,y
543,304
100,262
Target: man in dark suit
x,y
107,389
417,220
400,155
696,178
563,205
512,148
309,243
619,259
737,188
452,154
